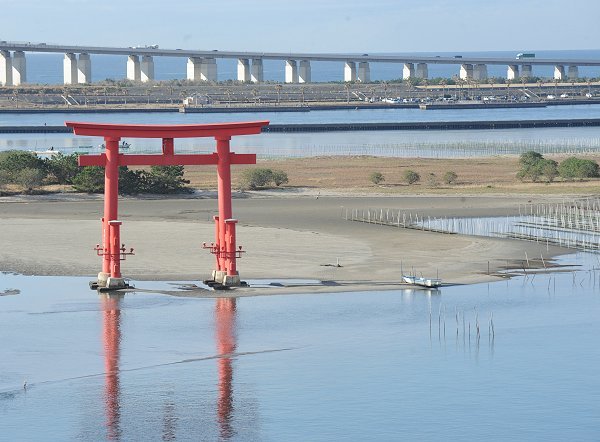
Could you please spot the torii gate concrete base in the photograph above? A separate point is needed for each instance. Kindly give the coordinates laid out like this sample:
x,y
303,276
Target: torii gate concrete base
x,y
224,247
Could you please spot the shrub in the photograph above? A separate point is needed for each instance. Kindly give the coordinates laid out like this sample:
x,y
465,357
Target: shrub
x,y
377,177
573,167
132,182
90,180
14,161
29,178
255,178
5,177
63,167
22,168
280,177
261,177
411,177
166,179
450,177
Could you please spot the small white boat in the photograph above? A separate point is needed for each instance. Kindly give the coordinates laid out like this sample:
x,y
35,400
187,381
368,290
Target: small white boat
x,y
122,145
409,279
419,280
46,153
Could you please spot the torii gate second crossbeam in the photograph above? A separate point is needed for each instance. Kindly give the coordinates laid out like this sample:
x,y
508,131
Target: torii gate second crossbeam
x,y
224,248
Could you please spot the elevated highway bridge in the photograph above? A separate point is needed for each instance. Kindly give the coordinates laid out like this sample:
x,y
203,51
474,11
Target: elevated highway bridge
x,y
202,64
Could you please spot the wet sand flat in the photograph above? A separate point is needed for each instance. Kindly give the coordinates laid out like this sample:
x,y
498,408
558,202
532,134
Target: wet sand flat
x,y
285,236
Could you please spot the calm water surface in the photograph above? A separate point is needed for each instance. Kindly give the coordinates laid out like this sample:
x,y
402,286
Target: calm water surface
x,y
436,144
398,365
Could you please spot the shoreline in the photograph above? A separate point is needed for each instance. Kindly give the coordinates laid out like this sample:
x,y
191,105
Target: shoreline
x,y
293,237
299,107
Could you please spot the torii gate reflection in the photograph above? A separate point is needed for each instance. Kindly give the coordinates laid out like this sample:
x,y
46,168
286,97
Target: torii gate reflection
x,y
224,248
226,345
225,313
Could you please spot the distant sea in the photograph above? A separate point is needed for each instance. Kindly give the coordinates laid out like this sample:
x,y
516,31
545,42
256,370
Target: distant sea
x,y
48,68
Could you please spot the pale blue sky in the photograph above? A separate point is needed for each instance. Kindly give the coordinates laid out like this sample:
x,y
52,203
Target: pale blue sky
x,y
309,25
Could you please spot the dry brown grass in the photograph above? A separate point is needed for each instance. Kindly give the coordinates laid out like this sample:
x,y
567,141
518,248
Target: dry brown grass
x,y
478,175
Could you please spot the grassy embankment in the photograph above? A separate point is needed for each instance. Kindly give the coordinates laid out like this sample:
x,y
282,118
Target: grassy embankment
x,y
351,174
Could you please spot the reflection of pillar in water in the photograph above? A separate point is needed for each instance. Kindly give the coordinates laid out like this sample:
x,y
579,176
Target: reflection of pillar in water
x,y
225,335
111,334
169,421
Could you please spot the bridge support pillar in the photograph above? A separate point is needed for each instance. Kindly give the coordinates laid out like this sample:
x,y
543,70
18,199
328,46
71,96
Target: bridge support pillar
x,y
422,71
5,68
133,68
408,71
512,72
526,71
350,71
19,68
70,68
146,68
364,72
573,73
243,70
208,69
304,72
84,69
193,68
466,72
256,74
559,72
480,72
291,71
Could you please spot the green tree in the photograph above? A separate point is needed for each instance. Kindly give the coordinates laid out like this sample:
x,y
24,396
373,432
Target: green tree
x,y
549,169
534,165
531,166
377,177
411,177
573,167
450,177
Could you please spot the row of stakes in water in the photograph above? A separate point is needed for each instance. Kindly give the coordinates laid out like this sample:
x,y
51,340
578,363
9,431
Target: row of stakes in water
x,y
573,225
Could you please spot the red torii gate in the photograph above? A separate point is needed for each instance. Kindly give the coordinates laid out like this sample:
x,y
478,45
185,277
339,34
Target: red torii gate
x,y
224,247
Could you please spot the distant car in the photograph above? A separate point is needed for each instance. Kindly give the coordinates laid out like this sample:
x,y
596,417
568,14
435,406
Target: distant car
x,y
365,55
458,56
564,95
550,97
588,95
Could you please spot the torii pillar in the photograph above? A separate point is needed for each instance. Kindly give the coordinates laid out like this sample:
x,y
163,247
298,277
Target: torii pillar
x,y
224,248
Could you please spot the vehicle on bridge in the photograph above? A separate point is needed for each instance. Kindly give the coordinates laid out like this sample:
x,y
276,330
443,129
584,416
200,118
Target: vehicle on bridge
x,y
525,55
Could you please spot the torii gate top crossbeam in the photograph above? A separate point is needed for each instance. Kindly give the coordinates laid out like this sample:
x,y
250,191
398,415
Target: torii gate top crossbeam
x,y
218,130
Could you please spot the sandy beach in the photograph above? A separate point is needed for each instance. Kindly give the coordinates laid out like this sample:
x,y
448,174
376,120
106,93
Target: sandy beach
x,y
285,236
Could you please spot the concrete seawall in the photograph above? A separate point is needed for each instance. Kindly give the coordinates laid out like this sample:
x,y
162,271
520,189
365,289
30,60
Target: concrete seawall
x,y
348,127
